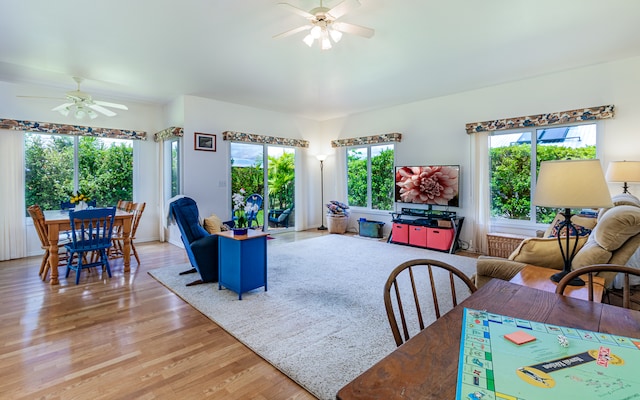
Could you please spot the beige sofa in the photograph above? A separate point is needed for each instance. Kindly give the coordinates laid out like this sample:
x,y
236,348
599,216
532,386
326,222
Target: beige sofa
x,y
614,239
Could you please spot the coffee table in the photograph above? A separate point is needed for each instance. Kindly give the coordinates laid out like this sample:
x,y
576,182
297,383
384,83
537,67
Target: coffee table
x,y
539,278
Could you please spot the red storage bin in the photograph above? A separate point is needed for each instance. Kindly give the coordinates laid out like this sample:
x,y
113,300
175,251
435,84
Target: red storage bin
x,y
400,233
439,238
418,235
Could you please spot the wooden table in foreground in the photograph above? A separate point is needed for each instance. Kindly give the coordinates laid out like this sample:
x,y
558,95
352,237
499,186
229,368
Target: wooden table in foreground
x,y
540,278
57,221
426,366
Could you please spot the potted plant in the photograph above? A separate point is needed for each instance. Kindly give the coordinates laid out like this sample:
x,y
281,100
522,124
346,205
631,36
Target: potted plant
x,y
337,216
240,211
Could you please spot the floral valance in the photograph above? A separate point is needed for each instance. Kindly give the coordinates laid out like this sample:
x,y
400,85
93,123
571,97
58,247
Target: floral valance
x,y
384,138
253,138
62,129
168,133
555,118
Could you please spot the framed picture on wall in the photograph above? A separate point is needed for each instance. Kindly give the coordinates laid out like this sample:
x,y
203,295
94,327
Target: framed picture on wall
x,y
204,141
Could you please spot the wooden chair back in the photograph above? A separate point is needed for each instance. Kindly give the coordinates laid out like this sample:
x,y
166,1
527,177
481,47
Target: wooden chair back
x,y
124,205
595,269
137,209
38,222
411,281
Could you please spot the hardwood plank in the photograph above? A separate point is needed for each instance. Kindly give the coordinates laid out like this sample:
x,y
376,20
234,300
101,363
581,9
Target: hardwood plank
x,y
124,337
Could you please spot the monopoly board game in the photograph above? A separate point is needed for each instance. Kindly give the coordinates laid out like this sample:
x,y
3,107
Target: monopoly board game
x,y
506,358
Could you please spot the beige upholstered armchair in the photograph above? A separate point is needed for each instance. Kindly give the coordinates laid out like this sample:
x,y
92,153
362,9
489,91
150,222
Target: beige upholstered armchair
x,y
614,239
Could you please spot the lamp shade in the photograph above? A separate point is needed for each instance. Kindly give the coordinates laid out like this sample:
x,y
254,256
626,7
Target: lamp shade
x,y
623,171
572,184
321,157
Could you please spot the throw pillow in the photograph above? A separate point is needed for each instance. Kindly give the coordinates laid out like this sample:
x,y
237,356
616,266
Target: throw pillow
x,y
584,224
213,224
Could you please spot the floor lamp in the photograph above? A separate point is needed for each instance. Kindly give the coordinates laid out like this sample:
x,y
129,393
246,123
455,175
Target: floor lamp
x,y
623,171
321,158
570,184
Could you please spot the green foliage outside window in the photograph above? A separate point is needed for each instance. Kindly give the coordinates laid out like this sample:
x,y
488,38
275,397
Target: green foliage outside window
x,y
281,181
511,178
251,179
382,178
105,171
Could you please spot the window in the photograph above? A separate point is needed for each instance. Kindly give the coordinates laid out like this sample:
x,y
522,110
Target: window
x,y
370,177
515,158
56,166
172,167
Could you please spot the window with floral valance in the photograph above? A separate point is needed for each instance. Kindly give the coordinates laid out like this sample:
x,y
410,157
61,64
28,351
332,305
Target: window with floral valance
x,y
75,130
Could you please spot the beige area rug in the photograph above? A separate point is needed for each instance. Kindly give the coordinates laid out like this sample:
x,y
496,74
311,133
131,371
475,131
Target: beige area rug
x,y
322,321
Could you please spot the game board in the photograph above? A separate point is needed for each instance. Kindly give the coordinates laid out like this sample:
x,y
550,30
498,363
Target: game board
x,y
560,363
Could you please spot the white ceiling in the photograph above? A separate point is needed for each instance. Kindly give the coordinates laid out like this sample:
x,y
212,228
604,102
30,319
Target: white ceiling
x,y
156,50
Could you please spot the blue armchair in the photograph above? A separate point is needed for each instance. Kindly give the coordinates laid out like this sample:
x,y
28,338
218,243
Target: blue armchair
x,y
280,218
201,246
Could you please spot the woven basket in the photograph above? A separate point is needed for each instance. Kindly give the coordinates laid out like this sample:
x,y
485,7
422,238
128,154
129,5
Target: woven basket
x,y
337,224
502,244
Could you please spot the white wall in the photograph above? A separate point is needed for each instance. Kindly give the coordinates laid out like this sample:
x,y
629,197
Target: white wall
x,y
434,130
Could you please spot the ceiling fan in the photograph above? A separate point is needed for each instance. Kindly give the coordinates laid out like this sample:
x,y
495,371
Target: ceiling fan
x,y
82,104
324,25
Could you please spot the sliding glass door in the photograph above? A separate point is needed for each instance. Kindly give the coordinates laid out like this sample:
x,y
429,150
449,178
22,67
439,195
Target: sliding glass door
x,y
272,177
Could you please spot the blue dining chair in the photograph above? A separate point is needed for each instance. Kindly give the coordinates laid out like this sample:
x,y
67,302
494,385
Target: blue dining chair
x,y
253,201
92,233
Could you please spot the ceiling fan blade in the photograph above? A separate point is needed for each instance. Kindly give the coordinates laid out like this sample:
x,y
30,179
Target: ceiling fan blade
x,y
101,109
61,107
343,8
41,97
353,29
298,11
112,105
293,31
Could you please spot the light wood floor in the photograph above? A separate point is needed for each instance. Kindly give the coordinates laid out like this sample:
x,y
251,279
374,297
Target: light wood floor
x,y
127,337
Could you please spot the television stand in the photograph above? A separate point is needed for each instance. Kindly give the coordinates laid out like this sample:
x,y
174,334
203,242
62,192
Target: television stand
x,y
430,229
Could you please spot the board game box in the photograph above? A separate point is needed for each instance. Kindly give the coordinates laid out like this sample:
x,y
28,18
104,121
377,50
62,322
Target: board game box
x,y
506,358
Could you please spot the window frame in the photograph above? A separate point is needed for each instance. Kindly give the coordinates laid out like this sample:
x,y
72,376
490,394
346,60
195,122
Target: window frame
x,y
77,155
368,147
531,223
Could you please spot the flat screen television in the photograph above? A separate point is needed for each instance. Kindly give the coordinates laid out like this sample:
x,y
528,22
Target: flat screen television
x,y
430,184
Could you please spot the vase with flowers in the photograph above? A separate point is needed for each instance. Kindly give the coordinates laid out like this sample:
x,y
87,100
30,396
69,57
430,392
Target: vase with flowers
x,y
80,200
240,211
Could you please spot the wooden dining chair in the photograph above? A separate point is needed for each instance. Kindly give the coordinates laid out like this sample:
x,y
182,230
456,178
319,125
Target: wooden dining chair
x,y
117,250
92,234
124,205
598,268
413,280
41,229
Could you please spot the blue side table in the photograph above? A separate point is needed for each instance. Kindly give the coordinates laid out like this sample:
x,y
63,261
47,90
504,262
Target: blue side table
x,y
242,261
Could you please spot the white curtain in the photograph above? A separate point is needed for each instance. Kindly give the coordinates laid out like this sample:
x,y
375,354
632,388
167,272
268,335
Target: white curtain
x,y
12,206
481,190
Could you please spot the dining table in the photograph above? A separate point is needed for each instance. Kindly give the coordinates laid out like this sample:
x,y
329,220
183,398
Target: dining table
x,y
426,366
57,221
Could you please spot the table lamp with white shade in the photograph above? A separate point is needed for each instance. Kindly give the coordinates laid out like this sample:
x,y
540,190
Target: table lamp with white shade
x,y
623,171
571,184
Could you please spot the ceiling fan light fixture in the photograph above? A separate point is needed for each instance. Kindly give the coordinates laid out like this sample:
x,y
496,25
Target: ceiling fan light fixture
x,y
316,32
308,40
326,43
80,113
64,111
335,35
